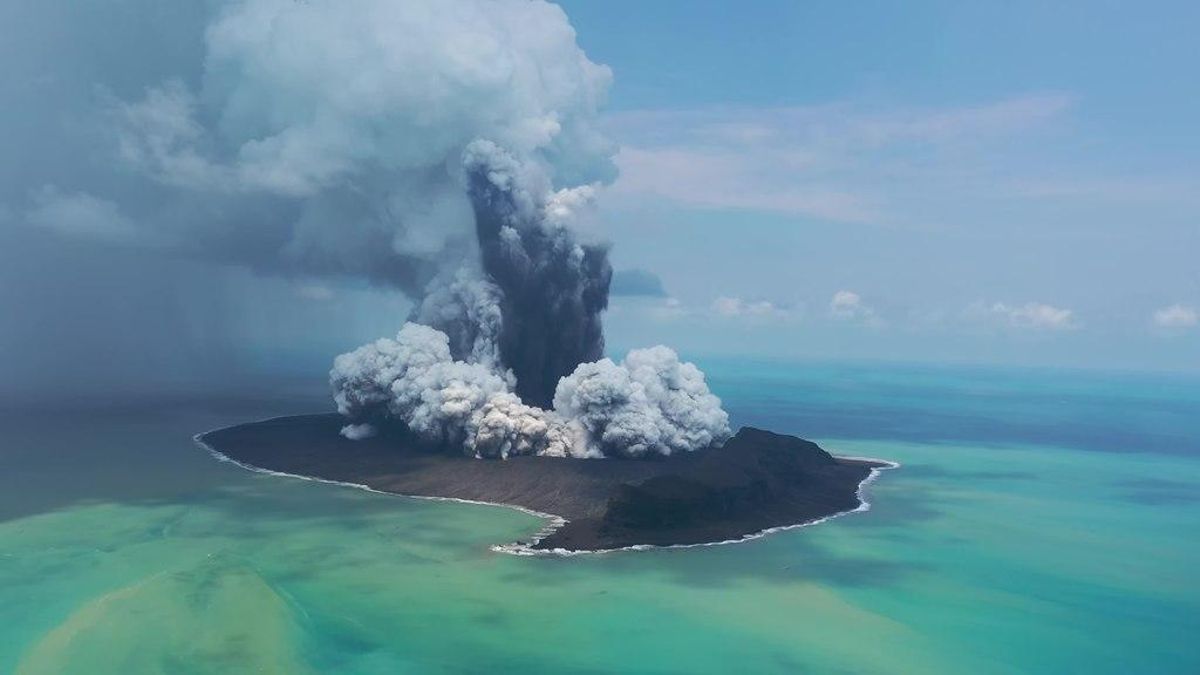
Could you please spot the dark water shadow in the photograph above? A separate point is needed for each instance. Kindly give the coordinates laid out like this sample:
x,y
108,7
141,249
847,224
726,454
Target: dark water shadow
x,y
1158,491
120,452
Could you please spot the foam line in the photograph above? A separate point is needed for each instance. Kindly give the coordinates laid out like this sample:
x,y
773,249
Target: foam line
x,y
554,522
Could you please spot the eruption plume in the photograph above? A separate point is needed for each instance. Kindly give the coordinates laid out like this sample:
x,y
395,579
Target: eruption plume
x,y
520,333
648,404
442,148
326,139
553,288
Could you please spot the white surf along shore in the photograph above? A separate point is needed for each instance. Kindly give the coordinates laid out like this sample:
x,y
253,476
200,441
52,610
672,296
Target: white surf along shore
x,y
554,522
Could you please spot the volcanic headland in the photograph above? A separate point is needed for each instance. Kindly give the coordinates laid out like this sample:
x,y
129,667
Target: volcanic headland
x,y
755,482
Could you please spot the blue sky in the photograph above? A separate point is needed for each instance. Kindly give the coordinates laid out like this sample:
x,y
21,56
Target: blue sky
x,y
1007,182
1014,183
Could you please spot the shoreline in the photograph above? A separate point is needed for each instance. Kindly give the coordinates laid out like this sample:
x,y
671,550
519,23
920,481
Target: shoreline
x,y
553,522
517,548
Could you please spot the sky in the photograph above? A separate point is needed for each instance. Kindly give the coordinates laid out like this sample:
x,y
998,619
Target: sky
x,y
1009,183
1013,183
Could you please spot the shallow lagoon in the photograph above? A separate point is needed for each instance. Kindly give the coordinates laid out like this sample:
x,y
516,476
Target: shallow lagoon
x,y
1042,522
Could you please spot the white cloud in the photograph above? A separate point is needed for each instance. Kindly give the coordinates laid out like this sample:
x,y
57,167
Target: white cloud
x,y
849,306
1031,315
398,86
736,307
845,303
838,162
729,179
671,308
326,138
722,308
1177,316
844,123
933,126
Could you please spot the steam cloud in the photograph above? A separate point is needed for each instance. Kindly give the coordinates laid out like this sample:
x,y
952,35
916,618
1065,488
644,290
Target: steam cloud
x,y
501,358
322,138
648,404
502,355
444,148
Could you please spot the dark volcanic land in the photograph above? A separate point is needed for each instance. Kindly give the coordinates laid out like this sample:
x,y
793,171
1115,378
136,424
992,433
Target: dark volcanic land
x,y
756,481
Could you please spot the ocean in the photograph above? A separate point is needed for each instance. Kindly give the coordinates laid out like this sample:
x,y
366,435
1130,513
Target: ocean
x,y
1042,521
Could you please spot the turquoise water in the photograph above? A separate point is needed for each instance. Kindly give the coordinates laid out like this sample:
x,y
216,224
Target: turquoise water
x,y
1042,522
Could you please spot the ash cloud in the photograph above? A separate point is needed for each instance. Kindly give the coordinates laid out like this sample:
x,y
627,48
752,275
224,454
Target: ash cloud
x,y
553,287
414,379
649,404
503,358
442,148
317,140
311,139
503,353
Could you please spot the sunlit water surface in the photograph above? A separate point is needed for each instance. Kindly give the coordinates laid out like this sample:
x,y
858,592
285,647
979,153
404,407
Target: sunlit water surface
x,y
1042,522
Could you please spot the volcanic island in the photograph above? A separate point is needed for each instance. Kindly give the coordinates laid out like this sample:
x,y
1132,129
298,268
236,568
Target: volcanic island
x,y
496,389
755,482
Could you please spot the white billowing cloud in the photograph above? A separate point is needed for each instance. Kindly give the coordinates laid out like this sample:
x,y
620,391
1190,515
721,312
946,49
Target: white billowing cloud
x,y
339,130
505,426
1030,316
565,206
312,93
1177,316
845,304
849,306
650,403
414,379
79,214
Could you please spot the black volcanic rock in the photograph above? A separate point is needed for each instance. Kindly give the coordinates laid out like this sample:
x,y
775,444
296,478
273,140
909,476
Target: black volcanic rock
x,y
756,481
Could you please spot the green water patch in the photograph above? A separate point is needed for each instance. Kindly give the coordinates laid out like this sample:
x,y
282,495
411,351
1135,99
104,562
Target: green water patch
x,y
981,559
219,615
